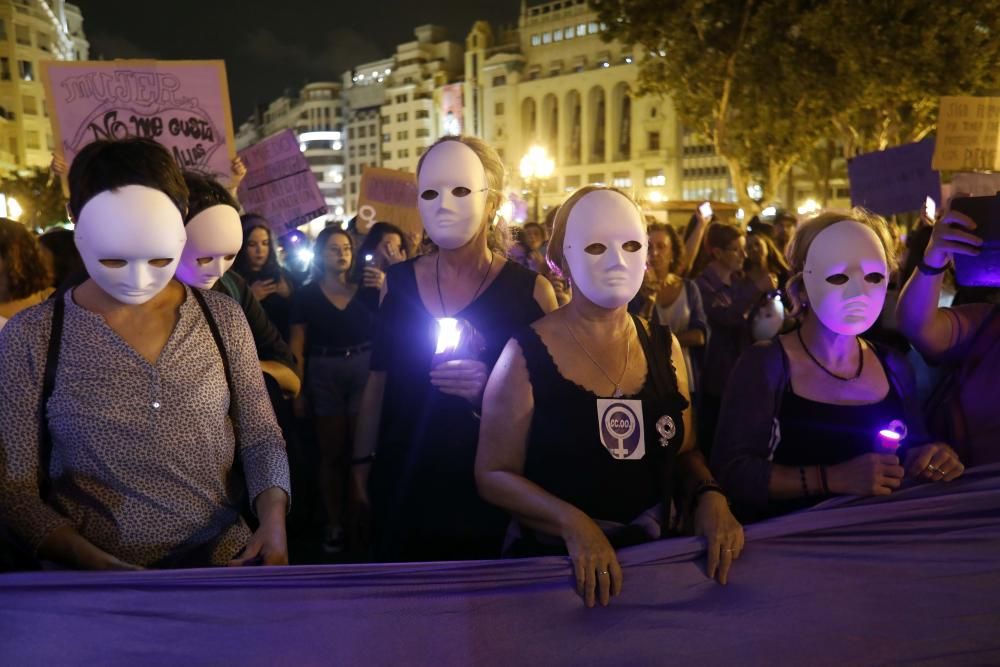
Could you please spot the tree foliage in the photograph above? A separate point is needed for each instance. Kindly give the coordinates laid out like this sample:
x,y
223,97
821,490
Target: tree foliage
x,y
40,197
767,81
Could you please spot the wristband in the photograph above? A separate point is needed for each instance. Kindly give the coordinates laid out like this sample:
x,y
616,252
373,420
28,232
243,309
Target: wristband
x,y
707,486
929,270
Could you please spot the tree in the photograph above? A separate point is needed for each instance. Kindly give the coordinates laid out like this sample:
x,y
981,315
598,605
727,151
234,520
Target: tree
x,y
769,82
40,197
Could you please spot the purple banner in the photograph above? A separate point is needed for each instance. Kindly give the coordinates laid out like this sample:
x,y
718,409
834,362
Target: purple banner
x,y
896,180
909,578
279,184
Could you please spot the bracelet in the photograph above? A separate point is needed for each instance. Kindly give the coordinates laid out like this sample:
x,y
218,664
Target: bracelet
x,y
822,476
361,460
707,486
929,270
805,485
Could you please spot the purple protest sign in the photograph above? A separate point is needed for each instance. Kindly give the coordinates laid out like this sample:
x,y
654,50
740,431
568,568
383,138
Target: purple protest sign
x,y
895,180
183,105
279,184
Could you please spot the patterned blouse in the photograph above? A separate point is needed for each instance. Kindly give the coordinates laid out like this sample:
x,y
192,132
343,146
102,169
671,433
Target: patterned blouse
x,y
142,453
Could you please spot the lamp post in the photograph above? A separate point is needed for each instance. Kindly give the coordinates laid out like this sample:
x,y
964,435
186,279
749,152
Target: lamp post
x,y
536,166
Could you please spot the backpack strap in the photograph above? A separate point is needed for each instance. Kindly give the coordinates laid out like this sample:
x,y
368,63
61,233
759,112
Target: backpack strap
x,y
213,326
48,386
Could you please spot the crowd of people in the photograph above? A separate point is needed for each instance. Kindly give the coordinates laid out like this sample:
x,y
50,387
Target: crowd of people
x,y
175,397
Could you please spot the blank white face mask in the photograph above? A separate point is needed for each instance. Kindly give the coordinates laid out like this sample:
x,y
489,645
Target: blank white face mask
x,y
846,277
131,241
605,248
451,194
214,236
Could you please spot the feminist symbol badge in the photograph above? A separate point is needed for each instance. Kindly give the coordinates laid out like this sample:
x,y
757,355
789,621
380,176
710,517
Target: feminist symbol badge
x,y
667,429
619,423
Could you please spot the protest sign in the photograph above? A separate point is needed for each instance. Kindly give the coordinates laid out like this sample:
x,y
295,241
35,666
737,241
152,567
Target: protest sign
x,y
977,185
895,180
183,105
388,195
968,134
279,185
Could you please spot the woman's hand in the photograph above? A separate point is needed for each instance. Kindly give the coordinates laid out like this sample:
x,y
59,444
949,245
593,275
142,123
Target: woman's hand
x,y
464,378
715,522
952,235
391,255
935,462
595,564
263,288
373,277
866,475
239,172
267,546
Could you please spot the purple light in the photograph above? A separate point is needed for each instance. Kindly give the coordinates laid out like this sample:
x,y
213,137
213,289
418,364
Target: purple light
x,y
890,434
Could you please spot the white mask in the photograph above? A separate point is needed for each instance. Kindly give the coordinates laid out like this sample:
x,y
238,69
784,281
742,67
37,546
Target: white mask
x,y
605,248
452,194
768,319
215,235
138,228
846,277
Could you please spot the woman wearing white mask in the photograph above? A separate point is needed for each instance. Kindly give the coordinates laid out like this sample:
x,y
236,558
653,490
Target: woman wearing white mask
x,y
820,411
586,433
421,410
129,399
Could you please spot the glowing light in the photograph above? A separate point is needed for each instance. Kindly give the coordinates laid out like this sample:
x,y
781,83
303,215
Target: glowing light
x,y
507,210
345,224
890,434
755,191
449,335
628,59
305,255
361,76
605,64
537,164
387,70
809,207
327,135
302,147
740,214
655,197
10,208
769,212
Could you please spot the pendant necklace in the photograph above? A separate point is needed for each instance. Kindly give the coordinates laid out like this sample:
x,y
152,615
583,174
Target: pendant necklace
x,y
437,279
618,385
861,359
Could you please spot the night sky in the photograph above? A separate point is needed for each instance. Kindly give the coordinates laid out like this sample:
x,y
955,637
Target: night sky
x,y
273,45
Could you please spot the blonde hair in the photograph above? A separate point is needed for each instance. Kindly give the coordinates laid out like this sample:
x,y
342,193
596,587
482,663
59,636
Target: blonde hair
x,y
555,257
806,233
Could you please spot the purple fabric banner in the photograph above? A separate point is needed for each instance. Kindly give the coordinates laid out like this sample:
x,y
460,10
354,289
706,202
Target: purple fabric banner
x,y
913,578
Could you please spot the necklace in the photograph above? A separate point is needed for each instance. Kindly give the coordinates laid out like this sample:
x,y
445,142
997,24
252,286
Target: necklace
x,y
618,385
861,359
437,279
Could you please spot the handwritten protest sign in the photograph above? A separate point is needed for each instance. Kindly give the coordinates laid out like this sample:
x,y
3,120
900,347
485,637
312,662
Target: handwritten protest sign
x,y
895,180
388,195
184,105
968,134
977,185
279,184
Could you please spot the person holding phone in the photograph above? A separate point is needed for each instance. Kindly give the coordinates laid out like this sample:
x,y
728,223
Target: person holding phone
x,y
257,263
964,340
384,246
822,411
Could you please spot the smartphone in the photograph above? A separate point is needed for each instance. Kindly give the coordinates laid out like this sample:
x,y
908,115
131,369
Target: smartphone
x,y
982,270
705,210
930,209
369,260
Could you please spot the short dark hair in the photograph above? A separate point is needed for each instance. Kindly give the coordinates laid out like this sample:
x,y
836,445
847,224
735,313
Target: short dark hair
x,y
376,233
205,192
24,272
112,164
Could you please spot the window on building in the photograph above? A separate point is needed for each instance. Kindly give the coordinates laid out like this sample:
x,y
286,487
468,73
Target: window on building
x,y
386,155
33,139
30,105
340,112
386,137
22,34
422,113
350,151
653,141
498,109
400,99
592,28
655,178
26,70
354,188
500,81
557,35
385,119
350,133
362,132
568,33
373,148
3,29
572,182
44,43
423,132
403,153
421,150
581,30
621,179
402,117
363,150
352,170
536,40
546,38
595,178
401,136
371,130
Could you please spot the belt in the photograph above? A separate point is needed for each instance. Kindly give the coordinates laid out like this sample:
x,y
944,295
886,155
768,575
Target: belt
x,y
323,351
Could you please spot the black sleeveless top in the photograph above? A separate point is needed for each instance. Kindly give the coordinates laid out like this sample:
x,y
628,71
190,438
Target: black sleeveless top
x,y
423,491
565,454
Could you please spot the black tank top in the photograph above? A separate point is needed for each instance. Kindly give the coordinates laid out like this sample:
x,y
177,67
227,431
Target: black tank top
x,y
423,488
565,453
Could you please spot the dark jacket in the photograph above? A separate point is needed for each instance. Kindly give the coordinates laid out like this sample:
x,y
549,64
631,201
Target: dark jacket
x,y
270,345
748,431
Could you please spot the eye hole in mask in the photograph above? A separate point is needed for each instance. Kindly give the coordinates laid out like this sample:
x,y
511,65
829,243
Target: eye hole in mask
x,y
595,249
875,278
631,246
837,279
120,263
457,191
161,262
202,261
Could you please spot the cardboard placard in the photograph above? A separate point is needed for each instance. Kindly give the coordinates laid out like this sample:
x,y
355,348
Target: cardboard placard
x,y
895,180
279,185
388,195
968,134
977,185
182,104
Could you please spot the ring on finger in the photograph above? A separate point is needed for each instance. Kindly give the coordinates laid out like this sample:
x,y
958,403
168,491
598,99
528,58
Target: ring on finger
x,y
602,573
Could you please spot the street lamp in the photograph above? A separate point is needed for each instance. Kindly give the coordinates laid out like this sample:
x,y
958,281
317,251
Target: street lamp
x,y
536,167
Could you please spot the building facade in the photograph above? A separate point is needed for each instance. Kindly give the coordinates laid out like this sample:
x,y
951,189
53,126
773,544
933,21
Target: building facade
x,y
32,31
316,115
